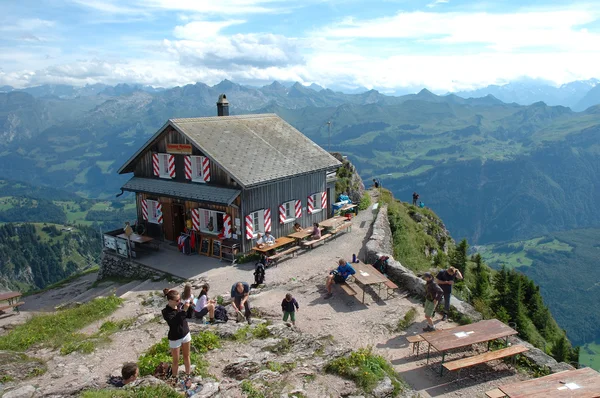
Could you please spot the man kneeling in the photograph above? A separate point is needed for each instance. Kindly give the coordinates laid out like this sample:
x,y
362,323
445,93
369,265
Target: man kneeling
x,y
339,275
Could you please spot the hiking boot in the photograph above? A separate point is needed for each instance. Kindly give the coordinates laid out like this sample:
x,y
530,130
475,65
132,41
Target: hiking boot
x,y
328,295
212,321
429,329
445,317
249,321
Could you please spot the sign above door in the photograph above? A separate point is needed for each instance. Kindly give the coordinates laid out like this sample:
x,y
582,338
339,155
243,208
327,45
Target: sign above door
x,y
179,149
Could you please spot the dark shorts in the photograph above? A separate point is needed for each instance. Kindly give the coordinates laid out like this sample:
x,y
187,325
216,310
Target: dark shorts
x,y
202,312
339,279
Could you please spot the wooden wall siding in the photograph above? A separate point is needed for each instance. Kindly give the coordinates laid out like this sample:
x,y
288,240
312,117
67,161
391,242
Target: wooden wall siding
x,y
144,168
155,230
272,195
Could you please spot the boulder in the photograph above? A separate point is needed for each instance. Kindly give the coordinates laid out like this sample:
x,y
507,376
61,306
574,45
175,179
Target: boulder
x,y
241,370
208,390
21,392
384,389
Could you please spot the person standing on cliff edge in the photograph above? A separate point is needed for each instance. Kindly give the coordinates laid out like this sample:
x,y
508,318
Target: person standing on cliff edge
x,y
445,278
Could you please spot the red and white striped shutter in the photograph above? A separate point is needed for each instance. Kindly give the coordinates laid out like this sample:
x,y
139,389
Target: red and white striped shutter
x,y
267,220
298,208
196,219
156,164
324,200
205,169
188,167
227,225
159,215
171,160
249,228
145,209
310,206
281,214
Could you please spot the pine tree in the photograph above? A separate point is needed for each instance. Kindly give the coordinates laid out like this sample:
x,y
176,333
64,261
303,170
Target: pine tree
x,y
482,280
501,286
458,258
561,349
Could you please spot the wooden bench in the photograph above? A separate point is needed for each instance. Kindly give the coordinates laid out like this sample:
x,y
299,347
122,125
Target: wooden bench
x,y
485,357
389,285
278,255
348,289
496,393
311,243
14,306
415,341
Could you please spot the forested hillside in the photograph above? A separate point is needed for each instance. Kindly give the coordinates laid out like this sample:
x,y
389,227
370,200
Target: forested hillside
x,y
33,256
422,243
564,264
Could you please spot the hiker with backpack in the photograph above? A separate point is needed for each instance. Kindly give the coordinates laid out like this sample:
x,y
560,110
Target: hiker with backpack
x,y
433,295
204,305
175,313
239,293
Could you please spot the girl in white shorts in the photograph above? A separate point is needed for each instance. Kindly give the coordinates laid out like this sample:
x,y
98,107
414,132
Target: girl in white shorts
x,y
179,332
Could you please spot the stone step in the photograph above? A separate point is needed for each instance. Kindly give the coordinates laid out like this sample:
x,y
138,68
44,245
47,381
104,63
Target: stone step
x,y
124,289
91,294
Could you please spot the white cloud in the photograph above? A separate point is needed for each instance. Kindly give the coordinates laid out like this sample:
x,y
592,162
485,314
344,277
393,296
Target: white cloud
x,y
437,2
555,29
197,30
27,25
203,7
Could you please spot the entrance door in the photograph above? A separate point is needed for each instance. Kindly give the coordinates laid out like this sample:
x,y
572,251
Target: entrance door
x,y
178,220
168,221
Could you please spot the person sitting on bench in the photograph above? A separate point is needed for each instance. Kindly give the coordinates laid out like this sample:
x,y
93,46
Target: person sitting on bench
x,y
339,275
297,227
316,233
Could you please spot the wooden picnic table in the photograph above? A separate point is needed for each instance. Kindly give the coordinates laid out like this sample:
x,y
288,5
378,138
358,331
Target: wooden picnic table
x,y
583,382
13,301
279,242
366,275
11,297
466,335
305,233
332,222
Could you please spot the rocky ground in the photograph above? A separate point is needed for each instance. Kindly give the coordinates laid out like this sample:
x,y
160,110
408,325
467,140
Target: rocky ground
x,y
296,370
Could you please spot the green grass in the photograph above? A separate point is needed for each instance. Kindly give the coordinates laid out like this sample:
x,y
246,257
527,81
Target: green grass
x,y
589,355
365,201
86,344
407,320
409,238
250,390
366,370
160,352
160,391
53,330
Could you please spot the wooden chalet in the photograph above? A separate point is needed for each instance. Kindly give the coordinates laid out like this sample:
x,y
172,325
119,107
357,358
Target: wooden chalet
x,y
229,177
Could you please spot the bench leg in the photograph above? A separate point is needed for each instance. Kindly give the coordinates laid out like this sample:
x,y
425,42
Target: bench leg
x,y
442,364
428,350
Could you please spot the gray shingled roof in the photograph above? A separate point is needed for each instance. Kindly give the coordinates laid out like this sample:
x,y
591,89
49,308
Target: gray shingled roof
x,y
174,189
253,149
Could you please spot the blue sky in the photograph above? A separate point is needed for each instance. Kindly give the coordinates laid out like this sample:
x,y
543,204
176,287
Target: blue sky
x,y
445,45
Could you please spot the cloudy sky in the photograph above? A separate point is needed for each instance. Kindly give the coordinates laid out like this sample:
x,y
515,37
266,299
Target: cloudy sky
x,y
445,45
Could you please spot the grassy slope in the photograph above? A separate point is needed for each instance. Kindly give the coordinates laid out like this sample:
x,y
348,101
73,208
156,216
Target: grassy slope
x,y
561,264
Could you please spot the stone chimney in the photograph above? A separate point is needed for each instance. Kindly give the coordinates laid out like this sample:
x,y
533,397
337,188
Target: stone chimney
x,y
222,106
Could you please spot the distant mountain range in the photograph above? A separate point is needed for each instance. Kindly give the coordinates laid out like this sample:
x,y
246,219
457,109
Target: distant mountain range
x,y
577,95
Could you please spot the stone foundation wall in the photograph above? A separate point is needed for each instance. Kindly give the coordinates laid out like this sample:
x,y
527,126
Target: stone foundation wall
x,y
117,266
380,244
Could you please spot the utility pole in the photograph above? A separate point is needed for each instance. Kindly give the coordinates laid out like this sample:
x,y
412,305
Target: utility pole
x,y
329,137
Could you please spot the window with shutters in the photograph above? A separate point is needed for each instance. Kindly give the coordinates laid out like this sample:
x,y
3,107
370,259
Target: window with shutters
x,y
152,211
258,221
163,162
197,169
317,202
290,211
211,221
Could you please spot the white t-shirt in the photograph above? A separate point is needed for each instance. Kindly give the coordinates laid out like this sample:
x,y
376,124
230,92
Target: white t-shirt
x,y
201,303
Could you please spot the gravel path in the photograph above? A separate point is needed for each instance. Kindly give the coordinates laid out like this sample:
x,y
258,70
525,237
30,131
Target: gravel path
x,y
346,318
